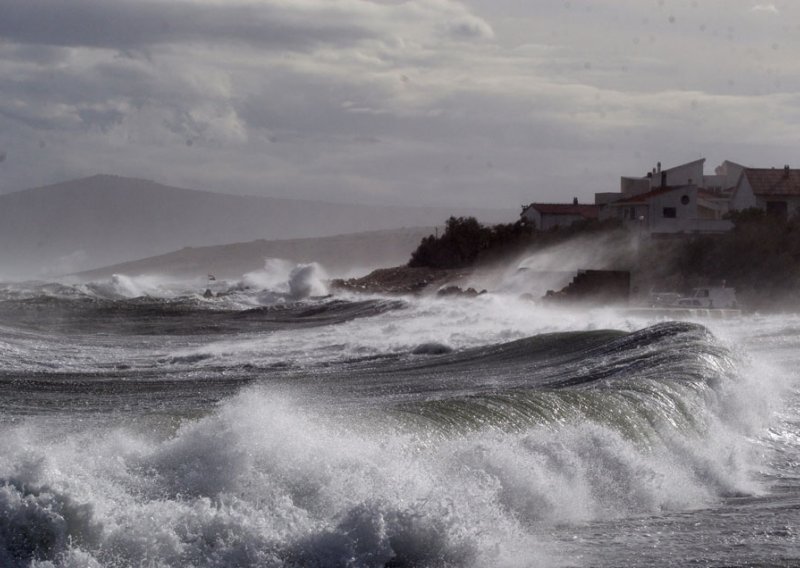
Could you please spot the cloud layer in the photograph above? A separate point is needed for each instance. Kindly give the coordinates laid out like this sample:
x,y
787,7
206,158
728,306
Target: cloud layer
x,y
421,101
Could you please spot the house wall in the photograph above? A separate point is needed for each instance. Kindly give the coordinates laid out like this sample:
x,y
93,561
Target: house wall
x,y
792,203
743,197
685,213
544,222
691,173
607,197
689,217
712,207
631,214
704,212
725,177
531,215
550,221
634,186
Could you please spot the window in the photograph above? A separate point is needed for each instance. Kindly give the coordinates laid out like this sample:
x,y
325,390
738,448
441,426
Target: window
x,y
669,213
778,209
685,200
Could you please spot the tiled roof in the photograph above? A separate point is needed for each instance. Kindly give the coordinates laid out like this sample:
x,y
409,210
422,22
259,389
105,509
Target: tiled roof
x,y
585,211
773,181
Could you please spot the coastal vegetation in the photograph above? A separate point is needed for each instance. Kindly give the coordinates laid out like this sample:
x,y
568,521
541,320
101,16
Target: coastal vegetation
x,y
463,242
466,243
760,256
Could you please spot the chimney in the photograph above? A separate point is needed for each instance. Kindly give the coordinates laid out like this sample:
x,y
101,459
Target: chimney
x,y
659,167
574,200
786,170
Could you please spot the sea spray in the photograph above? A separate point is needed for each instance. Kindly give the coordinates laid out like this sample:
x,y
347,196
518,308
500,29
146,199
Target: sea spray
x,y
273,276
121,286
307,280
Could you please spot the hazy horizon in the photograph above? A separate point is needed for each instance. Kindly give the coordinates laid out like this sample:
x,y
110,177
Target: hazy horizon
x,y
106,220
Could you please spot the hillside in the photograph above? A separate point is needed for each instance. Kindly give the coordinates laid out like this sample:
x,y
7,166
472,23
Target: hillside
x,y
104,220
340,255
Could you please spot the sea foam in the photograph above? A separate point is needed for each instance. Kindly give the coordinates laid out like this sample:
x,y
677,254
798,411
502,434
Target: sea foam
x,y
269,481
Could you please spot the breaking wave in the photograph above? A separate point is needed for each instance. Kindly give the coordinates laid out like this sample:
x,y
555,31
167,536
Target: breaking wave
x,y
441,458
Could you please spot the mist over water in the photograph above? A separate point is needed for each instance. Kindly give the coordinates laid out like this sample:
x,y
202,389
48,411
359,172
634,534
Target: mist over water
x,y
269,424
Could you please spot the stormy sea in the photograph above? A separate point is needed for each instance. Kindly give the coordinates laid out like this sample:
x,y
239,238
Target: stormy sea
x,y
272,423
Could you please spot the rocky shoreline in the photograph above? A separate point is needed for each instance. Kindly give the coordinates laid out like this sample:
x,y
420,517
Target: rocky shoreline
x,y
403,280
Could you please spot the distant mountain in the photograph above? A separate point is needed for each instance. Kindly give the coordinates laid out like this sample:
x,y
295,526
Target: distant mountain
x,y
105,219
341,255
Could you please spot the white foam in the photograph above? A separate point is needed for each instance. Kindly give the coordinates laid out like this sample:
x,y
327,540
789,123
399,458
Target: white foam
x,y
263,482
121,286
266,481
458,323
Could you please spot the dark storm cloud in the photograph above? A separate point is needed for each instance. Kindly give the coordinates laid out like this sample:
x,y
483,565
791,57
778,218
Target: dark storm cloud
x,y
131,24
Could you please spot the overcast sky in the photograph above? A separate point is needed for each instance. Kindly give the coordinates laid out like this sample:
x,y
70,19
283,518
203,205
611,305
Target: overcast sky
x,y
487,103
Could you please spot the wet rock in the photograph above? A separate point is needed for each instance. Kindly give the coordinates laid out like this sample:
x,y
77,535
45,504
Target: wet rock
x,y
458,291
432,348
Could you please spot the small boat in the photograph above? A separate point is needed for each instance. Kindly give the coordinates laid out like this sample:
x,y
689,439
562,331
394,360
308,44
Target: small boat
x,y
713,297
704,302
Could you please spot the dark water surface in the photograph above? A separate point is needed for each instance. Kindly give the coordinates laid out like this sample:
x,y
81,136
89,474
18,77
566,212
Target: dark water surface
x,y
253,430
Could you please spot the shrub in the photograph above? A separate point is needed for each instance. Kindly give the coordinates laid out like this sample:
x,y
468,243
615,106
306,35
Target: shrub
x,y
464,240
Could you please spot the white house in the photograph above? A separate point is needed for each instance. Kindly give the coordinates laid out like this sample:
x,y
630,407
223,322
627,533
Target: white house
x,y
671,210
546,216
692,173
776,191
682,199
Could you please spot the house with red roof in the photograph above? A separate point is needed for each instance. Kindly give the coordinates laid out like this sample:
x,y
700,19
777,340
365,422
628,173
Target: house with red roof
x,y
546,216
774,190
681,200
